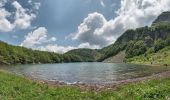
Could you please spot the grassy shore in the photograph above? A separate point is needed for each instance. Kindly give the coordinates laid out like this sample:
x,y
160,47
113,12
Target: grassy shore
x,y
13,87
160,58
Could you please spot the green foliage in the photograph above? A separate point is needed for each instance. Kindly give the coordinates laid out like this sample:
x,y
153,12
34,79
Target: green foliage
x,y
71,58
139,41
135,49
159,44
111,50
167,41
19,55
163,18
13,87
161,57
86,55
150,50
135,42
149,41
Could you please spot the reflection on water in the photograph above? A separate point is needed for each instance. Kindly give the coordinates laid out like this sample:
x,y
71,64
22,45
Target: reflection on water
x,y
85,72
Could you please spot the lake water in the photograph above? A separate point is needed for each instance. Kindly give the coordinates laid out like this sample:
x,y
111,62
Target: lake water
x,y
85,72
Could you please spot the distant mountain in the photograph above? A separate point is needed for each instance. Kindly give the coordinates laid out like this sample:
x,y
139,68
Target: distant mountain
x,y
133,46
19,55
86,55
139,41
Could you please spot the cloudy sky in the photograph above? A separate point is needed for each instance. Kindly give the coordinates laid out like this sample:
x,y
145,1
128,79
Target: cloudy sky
x,y
62,25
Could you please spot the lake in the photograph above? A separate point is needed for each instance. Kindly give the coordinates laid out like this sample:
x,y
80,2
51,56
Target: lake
x,y
85,72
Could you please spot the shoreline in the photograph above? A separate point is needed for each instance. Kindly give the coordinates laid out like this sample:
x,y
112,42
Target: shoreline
x,y
19,87
97,87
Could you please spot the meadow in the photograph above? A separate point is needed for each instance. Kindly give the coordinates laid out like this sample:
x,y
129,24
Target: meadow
x,y
14,87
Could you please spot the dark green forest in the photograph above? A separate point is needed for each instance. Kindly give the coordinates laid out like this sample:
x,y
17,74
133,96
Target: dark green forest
x,y
134,42
19,55
86,55
141,40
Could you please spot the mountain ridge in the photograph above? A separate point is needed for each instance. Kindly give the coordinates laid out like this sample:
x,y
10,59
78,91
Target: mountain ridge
x,y
163,18
160,29
134,42
147,36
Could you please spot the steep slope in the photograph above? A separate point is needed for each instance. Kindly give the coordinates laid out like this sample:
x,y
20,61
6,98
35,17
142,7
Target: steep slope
x,y
136,42
133,42
160,57
163,18
19,55
119,58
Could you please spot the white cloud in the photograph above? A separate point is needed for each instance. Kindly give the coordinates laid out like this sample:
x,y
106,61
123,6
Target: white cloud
x,y
87,28
37,5
37,37
5,25
102,3
53,39
96,32
87,45
30,1
132,14
39,40
2,2
55,48
63,49
22,16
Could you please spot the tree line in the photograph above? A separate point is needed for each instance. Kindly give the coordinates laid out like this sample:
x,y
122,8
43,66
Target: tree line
x,y
20,55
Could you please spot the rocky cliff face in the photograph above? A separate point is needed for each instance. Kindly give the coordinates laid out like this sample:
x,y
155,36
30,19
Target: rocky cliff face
x,y
163,18
160,29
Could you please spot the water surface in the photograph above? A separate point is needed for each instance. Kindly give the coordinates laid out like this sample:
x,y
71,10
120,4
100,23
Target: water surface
x,y
85,72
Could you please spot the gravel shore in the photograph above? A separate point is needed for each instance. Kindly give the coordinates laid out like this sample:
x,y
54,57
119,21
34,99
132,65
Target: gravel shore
x,y
100,87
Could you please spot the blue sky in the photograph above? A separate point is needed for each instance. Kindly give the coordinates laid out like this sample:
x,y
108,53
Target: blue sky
x,y
60,17
62,25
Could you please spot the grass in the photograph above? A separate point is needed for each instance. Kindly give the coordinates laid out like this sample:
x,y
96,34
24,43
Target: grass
x,y
161,57
13,87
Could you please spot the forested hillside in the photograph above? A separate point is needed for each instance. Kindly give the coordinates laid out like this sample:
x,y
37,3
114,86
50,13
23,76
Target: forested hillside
x,y
163,18
19,55
141,41
86,55
150,57
135,42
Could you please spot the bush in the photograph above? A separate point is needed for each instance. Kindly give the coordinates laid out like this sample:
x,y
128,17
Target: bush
x,y
159,44
135,48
